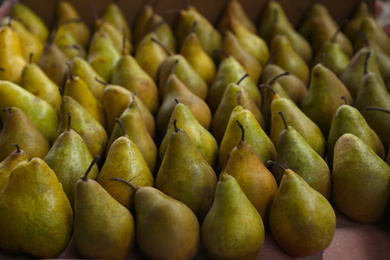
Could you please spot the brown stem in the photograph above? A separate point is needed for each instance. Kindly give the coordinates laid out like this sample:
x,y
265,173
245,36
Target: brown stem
x,y
271,81
157,25
85,177
223,51
194,26
242,78
277,164
30,57
94,13
284,120
239,98
7,109
345,100
2,69
379,109
174,65
175,126
70,71
132,186
121,126
368,54
17,147
167,51
69,121
101,82
242,130
363,36
268,87
177,101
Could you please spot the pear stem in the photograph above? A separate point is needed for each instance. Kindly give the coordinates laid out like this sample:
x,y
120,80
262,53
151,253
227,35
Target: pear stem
x,y
167,51
242,130
133,96
363,36
284,120
242,78
186,5
2,69
175,126
272,80
323,56
368,54
239,98
305,12
154,5
269,87
7,109
194,26
17,147
177,101
344,23
121,126
69,121
174,65
277,164
94,12
85,177
132,186
30,57
70,71
157,25
345,100
379,109
226,162
276,15
124,51
61,90
53,35
101,82
223,51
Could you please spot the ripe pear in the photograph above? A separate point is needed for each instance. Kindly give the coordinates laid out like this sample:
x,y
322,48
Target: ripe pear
x,y
140,23
30,20
294,153
124,160
69,158
230,70
18,128
92,132
254,135
371,28
271,10
244,237
203,139
135,127
360,12
35,80
256,181
10,163
166,228
302,221
36,216
114,15
103,228
361,180
324,97
12,60
348,119
67,42
193,184
235,10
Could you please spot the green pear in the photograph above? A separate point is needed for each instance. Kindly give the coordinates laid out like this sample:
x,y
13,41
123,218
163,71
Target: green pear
x,y
294,153
235,10
324,97
157,24
185,175
41,113
67,42
371,28
256,181
348,119
69,158
361,11
18,128
203,139
271,10
140,22
36,216
244,237
361,180
166,227
115,16
103,228
302,221
10,163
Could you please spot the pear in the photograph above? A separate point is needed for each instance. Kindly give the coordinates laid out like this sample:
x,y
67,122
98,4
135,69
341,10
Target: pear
x,y
271,10
117,99
348,119
235,10
35,80
302,221
10,163
361,180
166,228
102,54
370,27
129,74
194,184
76,88
324,97
140,22
256,181
231,208
97,233
203,139
92,132
82,69
41,113
66,41
118,39
12,60
234,95
19,129
135,127
30,20
124,160
150,54
185,73
209,37
286,58
230,70
298,120
65,11
175,89
232,45
294,153
36,216
192,50
114,15
69,158
360,12
254,135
